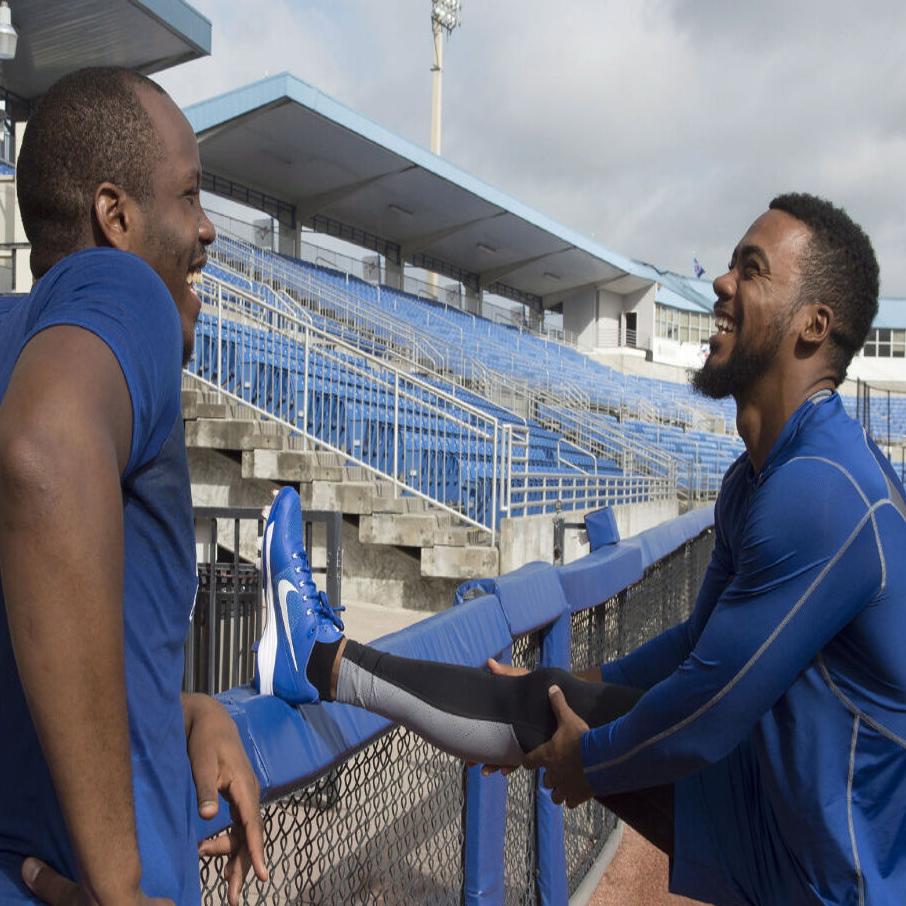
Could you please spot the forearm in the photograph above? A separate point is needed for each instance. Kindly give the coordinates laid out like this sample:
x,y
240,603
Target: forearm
x,y
66,625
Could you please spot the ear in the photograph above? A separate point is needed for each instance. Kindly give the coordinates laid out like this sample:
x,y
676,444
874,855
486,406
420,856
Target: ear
x,y
115,217
818,323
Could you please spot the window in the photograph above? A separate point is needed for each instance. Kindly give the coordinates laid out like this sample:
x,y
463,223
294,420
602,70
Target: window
x,y
685,326
885,342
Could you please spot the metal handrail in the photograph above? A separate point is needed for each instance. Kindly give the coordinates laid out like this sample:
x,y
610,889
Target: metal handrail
x,y
346,410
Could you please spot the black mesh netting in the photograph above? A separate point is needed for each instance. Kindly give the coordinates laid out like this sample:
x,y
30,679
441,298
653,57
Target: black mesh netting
x,y
386,826
664,597
519,857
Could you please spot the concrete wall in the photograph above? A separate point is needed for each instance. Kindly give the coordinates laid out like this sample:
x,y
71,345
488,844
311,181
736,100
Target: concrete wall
x,y
532,537
642,303
579,314
875,369
680,355
610,313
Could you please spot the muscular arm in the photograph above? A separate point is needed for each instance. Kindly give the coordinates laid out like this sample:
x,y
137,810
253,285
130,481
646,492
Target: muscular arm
x,y
800,581
65,430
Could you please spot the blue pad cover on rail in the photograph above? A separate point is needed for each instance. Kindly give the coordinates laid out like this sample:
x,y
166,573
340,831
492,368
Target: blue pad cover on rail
x,y
663,539
530,596
286,745
601,528
590,580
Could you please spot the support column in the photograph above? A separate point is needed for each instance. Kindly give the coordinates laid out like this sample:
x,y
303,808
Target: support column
x,y
393,274
288,241
473,301
534,317
22,281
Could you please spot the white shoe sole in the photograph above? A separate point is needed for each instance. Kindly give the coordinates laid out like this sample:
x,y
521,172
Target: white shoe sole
x,y
267,647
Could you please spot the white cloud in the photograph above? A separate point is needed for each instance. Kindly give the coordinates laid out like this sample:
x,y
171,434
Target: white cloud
x,y
660,126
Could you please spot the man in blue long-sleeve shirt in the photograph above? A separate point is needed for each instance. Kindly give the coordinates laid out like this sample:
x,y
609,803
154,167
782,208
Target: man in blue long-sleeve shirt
x,y
777,712
765,746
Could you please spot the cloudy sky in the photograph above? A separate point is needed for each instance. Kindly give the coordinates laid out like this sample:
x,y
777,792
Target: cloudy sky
x,y
660,128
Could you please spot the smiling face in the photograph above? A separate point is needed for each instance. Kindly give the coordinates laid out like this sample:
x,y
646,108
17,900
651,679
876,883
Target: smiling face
x,y
757,300
172,229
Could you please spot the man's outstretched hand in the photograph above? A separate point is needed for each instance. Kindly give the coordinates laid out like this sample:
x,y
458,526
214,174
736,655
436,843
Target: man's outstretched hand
x,y
51,887
219,764
561,755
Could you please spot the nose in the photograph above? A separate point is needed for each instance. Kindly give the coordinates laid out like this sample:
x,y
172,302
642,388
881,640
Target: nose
x,y
723,285
206,231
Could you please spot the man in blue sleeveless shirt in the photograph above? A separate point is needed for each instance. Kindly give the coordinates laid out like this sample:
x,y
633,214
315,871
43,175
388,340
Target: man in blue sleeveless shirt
x,y
97,558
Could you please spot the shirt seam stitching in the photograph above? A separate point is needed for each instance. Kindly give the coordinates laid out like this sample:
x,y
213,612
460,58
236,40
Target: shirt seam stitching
x,y
857,864
722,693
853,708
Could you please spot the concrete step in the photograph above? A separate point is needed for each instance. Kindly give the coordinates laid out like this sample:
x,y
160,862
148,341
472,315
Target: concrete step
x,y
468,562
299,465
232,434
458,536
400,504
405,529
212,410
350,497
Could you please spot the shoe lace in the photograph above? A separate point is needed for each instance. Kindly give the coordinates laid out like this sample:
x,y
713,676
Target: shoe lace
x,y
309,591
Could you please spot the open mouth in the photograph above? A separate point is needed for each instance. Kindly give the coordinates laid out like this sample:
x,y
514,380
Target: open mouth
x,y
724,324
194,278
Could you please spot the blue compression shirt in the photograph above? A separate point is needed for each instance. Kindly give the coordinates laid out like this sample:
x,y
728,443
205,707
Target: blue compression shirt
x,y
121,300
779,706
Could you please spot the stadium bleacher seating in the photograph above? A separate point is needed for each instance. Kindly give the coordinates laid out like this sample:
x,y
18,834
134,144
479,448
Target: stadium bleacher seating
x,y
348,408
647,413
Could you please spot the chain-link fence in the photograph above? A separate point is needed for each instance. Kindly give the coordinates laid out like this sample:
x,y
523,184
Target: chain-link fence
x,y
664,597
387,825
520,860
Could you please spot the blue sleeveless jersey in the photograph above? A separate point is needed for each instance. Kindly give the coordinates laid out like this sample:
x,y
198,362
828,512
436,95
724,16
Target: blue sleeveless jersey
x,y
779,707
121,300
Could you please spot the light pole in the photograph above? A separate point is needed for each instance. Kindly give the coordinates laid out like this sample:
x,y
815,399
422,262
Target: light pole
x,y
445,16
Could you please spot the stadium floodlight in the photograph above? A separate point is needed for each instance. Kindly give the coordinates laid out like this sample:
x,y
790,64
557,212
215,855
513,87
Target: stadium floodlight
x,y
9,37
447,14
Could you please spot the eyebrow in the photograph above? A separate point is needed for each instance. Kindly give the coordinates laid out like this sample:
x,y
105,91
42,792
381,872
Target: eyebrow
x,y
756,251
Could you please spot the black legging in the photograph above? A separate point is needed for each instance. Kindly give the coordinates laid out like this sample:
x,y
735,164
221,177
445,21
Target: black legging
x,y
481,717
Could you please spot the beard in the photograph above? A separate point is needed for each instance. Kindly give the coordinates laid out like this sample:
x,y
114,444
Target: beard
x,y
744,366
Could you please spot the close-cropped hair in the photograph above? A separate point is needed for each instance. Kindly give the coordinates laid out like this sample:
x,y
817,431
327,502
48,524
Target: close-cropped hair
x,y
88,129
839,269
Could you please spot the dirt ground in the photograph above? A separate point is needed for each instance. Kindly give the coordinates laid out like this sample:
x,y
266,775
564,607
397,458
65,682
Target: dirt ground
x,y
637,876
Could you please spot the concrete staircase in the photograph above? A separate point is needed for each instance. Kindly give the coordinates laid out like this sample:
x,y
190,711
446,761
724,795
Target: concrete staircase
x,y
397,550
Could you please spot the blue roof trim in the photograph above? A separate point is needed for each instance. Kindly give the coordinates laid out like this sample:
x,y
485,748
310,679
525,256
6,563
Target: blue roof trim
x,y
232,104
667,296
180,17
891,313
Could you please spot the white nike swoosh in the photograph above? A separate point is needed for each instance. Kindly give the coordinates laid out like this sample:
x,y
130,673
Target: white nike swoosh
x,y
283,589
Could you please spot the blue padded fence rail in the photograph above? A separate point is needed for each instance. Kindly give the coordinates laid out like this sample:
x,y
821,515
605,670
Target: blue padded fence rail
x,y
289,747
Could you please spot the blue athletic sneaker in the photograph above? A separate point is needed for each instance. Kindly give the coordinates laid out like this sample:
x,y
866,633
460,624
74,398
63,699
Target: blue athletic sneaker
x,y
297,614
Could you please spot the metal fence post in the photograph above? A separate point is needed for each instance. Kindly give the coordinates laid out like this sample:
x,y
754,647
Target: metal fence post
x,y
552,880
484,837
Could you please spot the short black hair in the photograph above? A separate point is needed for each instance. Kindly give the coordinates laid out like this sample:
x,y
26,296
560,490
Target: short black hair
x,y
90,127
839,268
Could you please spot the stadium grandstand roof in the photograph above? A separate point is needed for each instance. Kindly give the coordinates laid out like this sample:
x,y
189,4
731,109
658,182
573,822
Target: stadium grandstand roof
x,y
56,38
287,149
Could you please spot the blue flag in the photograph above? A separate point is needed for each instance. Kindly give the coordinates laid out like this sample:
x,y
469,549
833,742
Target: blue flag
x,y
697,269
